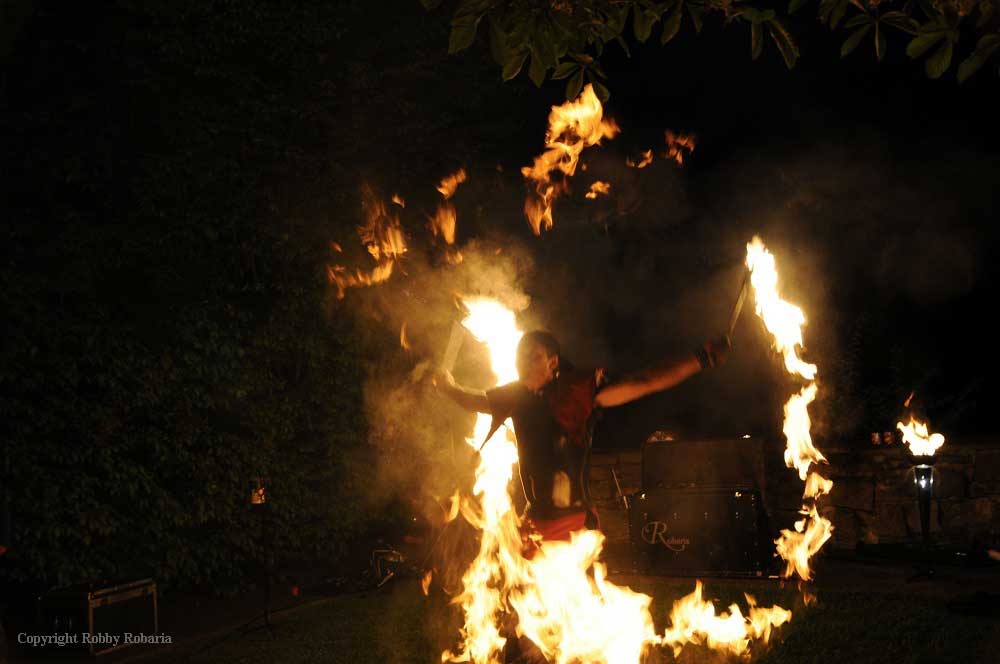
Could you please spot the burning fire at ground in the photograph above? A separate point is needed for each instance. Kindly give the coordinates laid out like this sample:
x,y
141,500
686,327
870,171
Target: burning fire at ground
x,y
561,596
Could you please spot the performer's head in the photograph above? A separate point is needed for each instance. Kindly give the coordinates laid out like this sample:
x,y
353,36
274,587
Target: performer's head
x,y
537,359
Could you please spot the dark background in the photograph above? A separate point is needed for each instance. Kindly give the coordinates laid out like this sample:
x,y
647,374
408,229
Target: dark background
x,y
174,174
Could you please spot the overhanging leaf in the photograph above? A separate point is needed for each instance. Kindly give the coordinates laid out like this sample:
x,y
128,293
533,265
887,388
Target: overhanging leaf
x,y
860,19
602,91
498,43
696,14
923,43
756,40
673,24
513,65
537,69
901,21
783,40
574,85
463,32
985,48
985,13
642,23
838,13
939,62
565,70
795,5
852,42
879,43
464,24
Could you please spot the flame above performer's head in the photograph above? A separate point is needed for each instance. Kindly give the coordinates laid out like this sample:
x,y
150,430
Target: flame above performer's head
x,y
573,126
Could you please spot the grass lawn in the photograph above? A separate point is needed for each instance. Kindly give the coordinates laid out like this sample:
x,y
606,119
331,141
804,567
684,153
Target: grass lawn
x,y
399,624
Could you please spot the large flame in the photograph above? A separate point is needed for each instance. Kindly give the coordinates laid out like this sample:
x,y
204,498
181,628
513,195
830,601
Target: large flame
x,y
561,596
572,127
920,440
784,321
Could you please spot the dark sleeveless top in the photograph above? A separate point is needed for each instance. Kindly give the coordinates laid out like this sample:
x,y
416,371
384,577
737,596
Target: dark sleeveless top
x,y
554,429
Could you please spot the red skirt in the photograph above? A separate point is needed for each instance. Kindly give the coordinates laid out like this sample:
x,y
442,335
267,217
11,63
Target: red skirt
x,y
555,530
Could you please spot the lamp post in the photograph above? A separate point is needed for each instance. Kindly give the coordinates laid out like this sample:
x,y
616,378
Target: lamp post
x,y
923,479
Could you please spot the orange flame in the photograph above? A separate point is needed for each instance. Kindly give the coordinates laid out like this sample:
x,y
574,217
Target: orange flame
x,y
917,436
572,127
448,185
693,620
444,221
425,583
403,341
563,601
646,160
382,236
677,145
599,189
398,200
784,321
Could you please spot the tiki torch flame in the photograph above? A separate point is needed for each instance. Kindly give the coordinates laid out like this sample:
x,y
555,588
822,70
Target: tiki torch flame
x,y
921,442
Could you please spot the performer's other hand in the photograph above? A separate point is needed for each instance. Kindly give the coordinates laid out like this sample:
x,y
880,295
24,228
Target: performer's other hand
x,y
442,378
714,352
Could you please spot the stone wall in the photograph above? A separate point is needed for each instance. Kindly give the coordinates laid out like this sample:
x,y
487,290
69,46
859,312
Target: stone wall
x,y
873,499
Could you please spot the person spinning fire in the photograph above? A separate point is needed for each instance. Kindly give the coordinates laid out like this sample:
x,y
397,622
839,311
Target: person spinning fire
x,y
553,407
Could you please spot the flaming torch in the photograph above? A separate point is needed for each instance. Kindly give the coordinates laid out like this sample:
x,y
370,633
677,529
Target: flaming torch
x,y
785,321
923,445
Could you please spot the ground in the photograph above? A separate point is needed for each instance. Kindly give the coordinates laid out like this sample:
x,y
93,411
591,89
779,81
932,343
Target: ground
x,y
863,614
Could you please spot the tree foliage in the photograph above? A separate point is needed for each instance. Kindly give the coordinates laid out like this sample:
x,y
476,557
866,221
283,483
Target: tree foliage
x,y
163,281
563,39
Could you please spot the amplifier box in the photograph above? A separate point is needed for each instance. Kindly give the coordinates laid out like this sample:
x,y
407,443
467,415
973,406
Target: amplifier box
x,y
98,618
700,531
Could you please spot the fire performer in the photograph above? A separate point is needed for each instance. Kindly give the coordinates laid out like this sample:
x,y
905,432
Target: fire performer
x,y
553,407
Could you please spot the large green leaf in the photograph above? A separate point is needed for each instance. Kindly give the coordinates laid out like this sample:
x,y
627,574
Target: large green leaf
x,y
565,70
923,43
696,12
795,5
852,42
673,24
985,48
756,40
537,69
464,24
642,23
985,14
939,62
498,42
879,43
574,85
513,65
602,91
860,19
430,4
838,13
783,40
901,21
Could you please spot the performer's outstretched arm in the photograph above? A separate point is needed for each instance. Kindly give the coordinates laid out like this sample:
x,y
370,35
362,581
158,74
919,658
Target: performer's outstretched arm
x,y
662,376
469,399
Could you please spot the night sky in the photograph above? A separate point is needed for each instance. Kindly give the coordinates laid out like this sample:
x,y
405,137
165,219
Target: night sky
x,y
176,172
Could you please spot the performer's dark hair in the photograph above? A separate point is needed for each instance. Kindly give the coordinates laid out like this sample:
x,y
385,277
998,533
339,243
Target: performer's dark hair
x,y
547,341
